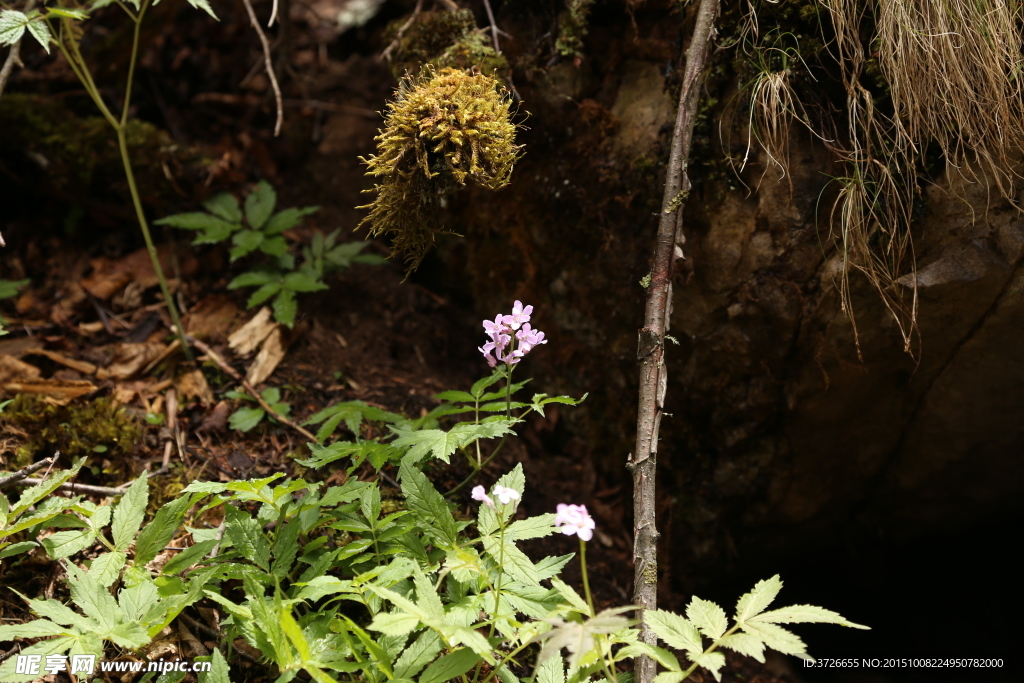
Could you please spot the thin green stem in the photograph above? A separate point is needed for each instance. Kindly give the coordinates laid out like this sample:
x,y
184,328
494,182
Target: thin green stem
x,y
132,61
472,475
712,648
608,669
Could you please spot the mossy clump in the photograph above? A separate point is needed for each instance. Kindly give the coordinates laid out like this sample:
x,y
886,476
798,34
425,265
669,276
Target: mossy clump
x,y
443,131
101,425
572,28
445,40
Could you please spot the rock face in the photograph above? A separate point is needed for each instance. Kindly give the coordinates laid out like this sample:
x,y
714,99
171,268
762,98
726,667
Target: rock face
x,y
781,439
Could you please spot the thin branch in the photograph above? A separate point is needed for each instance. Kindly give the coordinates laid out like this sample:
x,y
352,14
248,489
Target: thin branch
x,y
268,63
25,471
494,26
222,364
13,57
651,348
71,487
386,55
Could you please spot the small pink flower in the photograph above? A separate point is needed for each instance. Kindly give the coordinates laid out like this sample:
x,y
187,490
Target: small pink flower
x,y
480,494
520,315
505,494
574,519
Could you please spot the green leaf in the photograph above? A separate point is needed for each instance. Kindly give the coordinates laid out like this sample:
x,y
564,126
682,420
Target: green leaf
x,y
129,513
41,32
186,558
198,221
396,623
224,205
274,246
106,568
551,670
712,661
303,282
287,219
801,614
245,241
263,293
454,396
246,419
247,536
571,596
421,652
160,531
442,444
260,204
708,617
8,671
17,549
285,308
219,671
753,603
658,654
40,628
777,638
478,387
12,26
67,13
8,289
67,543
531,527
674,630
745,644
255,278
429,506
450,666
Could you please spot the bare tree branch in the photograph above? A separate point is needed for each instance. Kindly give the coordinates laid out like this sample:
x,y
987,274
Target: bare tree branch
x,y
268,63
651,348
13,479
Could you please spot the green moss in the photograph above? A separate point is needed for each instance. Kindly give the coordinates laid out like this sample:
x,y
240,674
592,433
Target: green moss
x,y
572,28
443,131
84,428
445,40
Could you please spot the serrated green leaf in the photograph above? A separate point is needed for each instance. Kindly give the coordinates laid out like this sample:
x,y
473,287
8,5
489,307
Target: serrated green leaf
x,y
198,221
260,202
801,614
137,599
33,495
12,26
263,293
17,549
129,513
247,536
551,670
450,666
41,32
245,241
674,630
215,235
420,653
93,599
756,601
712,661
571,596
442,444
776,637
396,623
658,654
513,561
531,527
285,308
40,628
303,282
67,543
189,556
246,419
669,677
225,206
708,617
429,506
106,568
288,219
478,387
274,246
219,671
745,644
8,671
455,396
254,278
160,531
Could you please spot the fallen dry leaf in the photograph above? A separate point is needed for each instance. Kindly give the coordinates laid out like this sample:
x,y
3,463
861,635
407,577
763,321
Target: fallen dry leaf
x,y
57,391
270,355
12,369
108,277
79,365
249,336
192,384
129,359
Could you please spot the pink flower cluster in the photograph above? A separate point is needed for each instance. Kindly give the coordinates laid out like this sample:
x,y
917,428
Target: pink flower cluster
x,y
511,336
505,494
574,519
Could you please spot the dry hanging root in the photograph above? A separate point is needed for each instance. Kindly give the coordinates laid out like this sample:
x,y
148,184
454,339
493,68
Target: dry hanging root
x,y
443,132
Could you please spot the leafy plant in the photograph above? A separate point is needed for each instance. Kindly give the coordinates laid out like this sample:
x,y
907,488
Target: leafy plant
x,y
33,509
247,418
258,228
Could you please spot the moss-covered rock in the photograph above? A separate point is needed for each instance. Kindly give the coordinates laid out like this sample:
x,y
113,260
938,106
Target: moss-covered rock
x,y
84,428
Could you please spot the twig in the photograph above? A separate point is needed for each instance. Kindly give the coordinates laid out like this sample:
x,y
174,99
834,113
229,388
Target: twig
x,y
12,479
269,64
651,350
401,31
222,364
13,57
494,25
71,487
